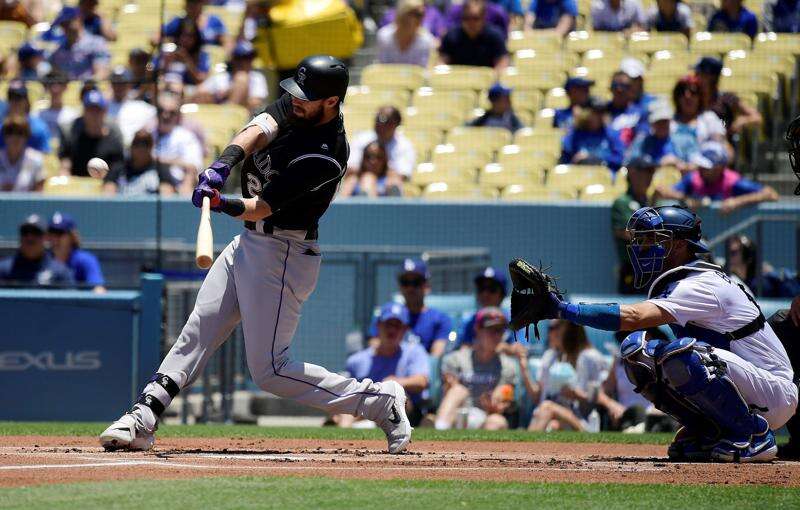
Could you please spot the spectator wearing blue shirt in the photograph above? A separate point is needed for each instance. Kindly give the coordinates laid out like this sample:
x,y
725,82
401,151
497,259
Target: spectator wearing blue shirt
x,y
429,327
590,141
626,118
491,287
559,15
212,28
185,59
391,359
80,54
32,265
32,65
64,240
782,16
501,114
656,143
732,16
714,181
512,7
474,43
93,23
19,105
577,90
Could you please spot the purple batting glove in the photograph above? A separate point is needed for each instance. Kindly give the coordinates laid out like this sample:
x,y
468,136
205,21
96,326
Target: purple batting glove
x,y
202,190
215,175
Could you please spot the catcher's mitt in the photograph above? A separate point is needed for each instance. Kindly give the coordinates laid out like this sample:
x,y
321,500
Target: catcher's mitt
x,y
532,298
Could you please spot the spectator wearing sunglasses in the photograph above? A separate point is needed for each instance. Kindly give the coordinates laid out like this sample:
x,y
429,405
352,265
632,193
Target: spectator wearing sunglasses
x,y
625,117
405,41
399,149
491,287
474,43
428,326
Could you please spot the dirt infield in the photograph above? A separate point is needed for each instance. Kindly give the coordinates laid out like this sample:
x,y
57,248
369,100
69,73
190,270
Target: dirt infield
x,y
32,460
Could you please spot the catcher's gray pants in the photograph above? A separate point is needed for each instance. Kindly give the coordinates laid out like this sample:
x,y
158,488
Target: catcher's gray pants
x,y
262,281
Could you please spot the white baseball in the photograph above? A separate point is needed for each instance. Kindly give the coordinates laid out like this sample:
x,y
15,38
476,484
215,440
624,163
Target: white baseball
x,y
97,168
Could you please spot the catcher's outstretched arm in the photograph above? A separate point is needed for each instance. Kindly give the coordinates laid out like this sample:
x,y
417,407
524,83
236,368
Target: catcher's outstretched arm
x,y
615,317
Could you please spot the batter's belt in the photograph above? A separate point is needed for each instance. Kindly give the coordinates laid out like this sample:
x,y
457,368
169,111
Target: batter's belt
x,y
267,228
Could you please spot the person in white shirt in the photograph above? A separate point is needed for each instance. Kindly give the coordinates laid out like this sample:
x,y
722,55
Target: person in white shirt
x,y
129,114
20,166
727,378
176,146
399,148
57,116
405,41
618,16
239,84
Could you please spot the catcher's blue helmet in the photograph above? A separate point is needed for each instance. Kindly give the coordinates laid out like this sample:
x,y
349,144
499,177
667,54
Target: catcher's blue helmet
x,y
650,228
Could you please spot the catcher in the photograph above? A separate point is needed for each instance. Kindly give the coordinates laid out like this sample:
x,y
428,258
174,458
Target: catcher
x,y
726,379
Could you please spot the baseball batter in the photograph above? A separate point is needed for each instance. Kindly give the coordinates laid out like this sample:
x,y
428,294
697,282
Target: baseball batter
x,y
294,154
727,379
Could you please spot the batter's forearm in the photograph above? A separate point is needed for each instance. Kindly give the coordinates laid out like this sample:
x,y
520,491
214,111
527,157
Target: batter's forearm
x,y
255,209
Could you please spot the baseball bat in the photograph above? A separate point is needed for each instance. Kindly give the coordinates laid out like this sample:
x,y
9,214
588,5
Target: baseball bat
x,y
204,254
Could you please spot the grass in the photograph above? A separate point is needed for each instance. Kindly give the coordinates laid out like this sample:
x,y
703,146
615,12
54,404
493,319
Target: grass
x,y
8,428
314,493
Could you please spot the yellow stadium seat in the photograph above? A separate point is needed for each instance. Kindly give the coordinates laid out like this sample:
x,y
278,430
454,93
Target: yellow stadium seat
x,y
441,120
621,181
526,100
465,160
365,98
582,41
526,117
73,186
526,158
496,175
669,65
442,190
538,40
424,140
572,178
393,76
12,34
232,18
411,190
777,44
540,80
356,121
427,173
665,176
51,163
556,98
72,94
488,139
534,193
547,139
534,60
219,121
426,99
651,42
748,81
719,43
461,77
740,61
598,193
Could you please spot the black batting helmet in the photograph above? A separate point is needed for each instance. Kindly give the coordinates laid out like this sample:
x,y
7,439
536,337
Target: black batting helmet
x,y
793,139
318,77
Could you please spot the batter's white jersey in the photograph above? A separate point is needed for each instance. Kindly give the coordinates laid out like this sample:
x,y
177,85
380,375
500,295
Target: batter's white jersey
x,y
706,304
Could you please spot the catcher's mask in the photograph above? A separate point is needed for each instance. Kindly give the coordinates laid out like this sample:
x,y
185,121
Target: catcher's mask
x,y
793,140
652,230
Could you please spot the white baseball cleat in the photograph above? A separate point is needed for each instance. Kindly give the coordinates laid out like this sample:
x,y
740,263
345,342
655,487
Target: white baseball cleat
x,y
127,433
395,424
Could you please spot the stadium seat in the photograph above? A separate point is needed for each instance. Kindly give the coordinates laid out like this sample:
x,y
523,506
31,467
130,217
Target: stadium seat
x,y
426,99
424,140
450,191
365,98
463,157
666,176
748,81
357,120
51,163
458,173
461,78
526,100
441,120
405,76
556,98
73,186
526,158
668,65
777,44
541,80
498,176
719,43
232,18
534,193
531,61
651,42
598,193
487,139
219,121
538,40
573,178
621,181
545,139
583,41
12,35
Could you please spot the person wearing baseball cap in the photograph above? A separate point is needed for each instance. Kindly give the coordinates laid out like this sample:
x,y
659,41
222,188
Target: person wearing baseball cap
x,y
429,326
714,181
64,241
91,135
656,143
479,382
393,359
32,65
491,287
501,114
19,105
590,141
734,113
635,69
240,84
577,89
80,54
31,265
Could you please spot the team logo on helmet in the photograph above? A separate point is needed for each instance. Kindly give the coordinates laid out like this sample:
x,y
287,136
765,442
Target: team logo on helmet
x,y
301,76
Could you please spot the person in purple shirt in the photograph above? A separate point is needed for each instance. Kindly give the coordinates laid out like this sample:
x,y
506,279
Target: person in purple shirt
x,y
556,14
393,359
491,287
496,17
62,235
714,181
429,327
590,141
732,16
577,90
433,21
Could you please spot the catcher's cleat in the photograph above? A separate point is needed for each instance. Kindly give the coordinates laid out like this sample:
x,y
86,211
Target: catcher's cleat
x,y
395,424
127,433
762,448
689,447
